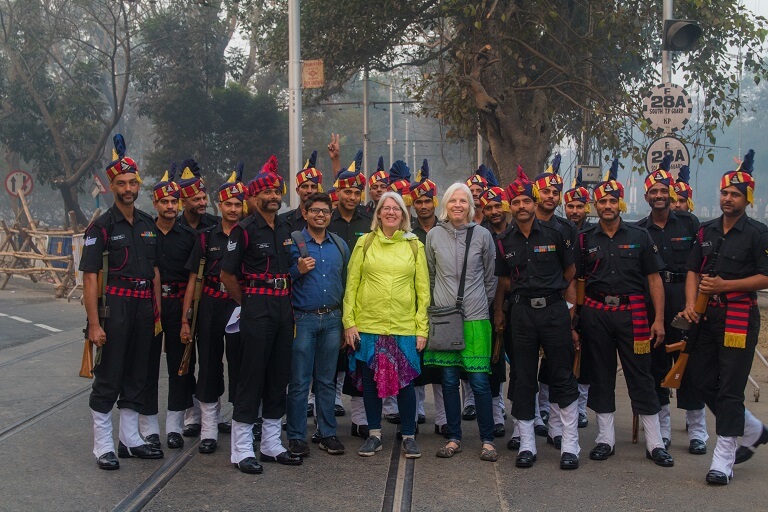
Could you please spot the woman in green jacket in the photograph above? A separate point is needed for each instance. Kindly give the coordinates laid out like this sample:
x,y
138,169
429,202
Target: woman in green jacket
x,y
385,318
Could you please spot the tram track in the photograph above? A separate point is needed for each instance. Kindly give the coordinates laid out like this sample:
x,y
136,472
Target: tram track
x,y
35,353
30,420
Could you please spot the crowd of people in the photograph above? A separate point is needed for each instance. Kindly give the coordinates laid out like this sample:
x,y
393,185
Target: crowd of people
x,y
343,296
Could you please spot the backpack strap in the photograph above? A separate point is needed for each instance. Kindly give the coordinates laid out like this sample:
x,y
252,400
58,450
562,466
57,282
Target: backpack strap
x,y
301,243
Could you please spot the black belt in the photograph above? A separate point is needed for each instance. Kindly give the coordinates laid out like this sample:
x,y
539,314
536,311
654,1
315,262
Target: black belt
x,y
215,284
137,284
723,299
538,302
320,311
672,277
170,288
277,283
610,300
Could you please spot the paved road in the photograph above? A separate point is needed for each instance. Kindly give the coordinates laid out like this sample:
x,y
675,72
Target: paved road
x,y
46,463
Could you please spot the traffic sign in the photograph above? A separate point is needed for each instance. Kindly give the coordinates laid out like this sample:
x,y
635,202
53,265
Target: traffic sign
x,y
18,181
99,185
312,74
667,107
667,146
590,174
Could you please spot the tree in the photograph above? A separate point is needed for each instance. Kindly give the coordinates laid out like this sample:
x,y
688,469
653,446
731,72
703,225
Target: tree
x,y
66,68
534,72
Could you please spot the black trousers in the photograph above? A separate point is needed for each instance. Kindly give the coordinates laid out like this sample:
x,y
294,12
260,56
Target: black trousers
x,y
213,315
720,373
607,332
180,389
122,374
266,324
550,329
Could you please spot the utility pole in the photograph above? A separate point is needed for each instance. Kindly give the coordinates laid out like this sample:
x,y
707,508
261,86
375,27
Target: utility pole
x,y
406,141
666,57
479,147
294,96
391,140
365,122
414,158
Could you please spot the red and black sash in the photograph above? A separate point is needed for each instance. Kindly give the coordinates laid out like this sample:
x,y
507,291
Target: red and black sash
x,y
736,306
641,332
143,293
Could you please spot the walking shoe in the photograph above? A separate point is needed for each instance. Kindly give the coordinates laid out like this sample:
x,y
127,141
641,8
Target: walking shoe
x,y
153,440
499,430
191,430
310,410
544,416
257,430
175,440
525,459
569,461
332,445
442,430
393,418
360,431
697,447
421,419
225,427
583,420
513,443
601,452
541,430
370,447
399,432
316,437
338,410
556,441
207,446
410,448
469,413
298,447
660,457
744,453
715,477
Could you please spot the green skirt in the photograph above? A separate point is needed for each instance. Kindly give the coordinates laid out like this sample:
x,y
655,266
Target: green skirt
x,y
476,356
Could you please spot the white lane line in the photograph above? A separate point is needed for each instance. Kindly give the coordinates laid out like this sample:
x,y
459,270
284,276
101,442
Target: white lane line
x,y
52,329
19,319
3,314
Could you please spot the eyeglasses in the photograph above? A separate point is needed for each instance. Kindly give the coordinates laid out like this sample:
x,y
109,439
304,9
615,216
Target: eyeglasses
x,y
393,209
319,211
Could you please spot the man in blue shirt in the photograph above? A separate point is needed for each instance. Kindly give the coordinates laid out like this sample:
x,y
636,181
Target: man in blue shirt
x,y
317,273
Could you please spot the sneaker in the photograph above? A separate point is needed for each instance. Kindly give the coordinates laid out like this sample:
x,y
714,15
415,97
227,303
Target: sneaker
x,y
298,447
332,445
410,448
370,447
316,437
469,413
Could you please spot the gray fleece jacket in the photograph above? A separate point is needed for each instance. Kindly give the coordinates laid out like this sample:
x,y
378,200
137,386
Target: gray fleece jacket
x,y
445,256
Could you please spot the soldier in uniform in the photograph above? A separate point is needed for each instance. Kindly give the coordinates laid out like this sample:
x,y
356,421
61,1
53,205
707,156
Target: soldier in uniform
x,y
683,191
259,249
350,220
424,201
308,181
621,261
174,245
535,265
214,311
477,184
131,311
377,185
720,362
673,232
576,202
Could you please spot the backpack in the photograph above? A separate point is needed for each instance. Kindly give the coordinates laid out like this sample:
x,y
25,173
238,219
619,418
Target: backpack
x,y
301,245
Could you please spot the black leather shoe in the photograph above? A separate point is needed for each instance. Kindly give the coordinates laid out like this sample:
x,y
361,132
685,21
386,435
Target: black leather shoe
x,y
316,437
399,433
249,465
513,443
583,420
557,441
499,430
153,440
667,442
191,430
175,441
421,419
660,457
469,413
207,446
360,431
442,430
257,432
544,416
697,447
715,477
525,459
541,430
601,452
744,453
108,461
310,410
225,427
338,410
569,461
393,418
286,458
143,451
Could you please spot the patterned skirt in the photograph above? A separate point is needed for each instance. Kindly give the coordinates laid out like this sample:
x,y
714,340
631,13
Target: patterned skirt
x,y
476,356
393,359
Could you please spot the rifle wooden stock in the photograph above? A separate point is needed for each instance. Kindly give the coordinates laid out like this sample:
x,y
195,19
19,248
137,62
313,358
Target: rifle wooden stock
x,y
184,366
577,363
580,294
635,428
676,347
674,377
498,341
86,366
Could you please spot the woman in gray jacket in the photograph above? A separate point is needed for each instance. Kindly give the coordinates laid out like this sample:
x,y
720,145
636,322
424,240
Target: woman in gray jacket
x,y
445,257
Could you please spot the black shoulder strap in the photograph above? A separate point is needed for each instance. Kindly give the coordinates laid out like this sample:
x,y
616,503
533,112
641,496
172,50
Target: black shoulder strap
x,y
467,240
337,240
301,243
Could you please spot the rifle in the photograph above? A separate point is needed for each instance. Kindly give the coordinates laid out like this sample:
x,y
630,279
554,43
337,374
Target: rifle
x,y
192,314
691,331
581,285
88,364
498,342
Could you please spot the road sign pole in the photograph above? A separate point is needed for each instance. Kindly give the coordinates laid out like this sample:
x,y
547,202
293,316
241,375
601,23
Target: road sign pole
x,y
666,61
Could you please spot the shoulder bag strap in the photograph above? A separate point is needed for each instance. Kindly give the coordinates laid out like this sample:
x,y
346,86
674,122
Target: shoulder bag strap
x,y
467,241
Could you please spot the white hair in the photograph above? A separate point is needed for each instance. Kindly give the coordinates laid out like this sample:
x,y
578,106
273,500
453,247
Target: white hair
x,y
442,213
405,222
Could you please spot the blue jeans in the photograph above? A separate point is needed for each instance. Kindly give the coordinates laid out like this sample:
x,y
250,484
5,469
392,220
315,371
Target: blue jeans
x,y
452,401
315,352
406,403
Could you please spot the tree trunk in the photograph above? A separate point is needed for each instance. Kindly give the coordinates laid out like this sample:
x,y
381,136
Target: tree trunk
x,y
515,125
72,204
